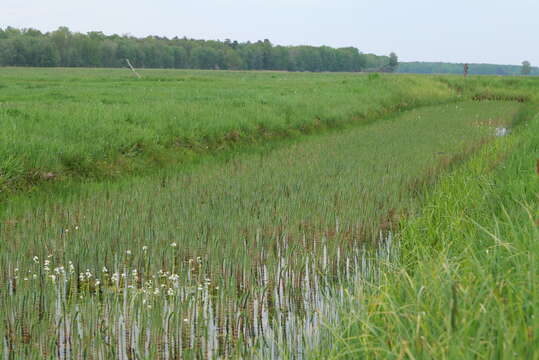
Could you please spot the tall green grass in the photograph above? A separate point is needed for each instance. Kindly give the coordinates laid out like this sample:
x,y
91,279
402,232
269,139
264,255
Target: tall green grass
x,y
356,177
90,123
249,255
58,124
230,259
466,284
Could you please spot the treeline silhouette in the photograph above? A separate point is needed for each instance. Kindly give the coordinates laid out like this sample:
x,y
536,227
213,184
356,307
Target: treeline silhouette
x,y
455,68
31,47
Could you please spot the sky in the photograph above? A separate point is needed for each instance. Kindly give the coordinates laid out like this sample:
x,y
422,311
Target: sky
x,y
474,31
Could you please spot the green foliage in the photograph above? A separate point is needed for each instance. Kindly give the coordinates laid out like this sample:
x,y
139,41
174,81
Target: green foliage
x,y
393,61
374,76
526,68
64,48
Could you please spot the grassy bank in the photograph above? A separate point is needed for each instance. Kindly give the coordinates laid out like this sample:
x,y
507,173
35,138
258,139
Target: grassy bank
x,y
466,283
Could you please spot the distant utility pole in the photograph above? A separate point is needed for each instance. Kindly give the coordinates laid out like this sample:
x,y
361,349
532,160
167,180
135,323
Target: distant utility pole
x,y
132,68
466,67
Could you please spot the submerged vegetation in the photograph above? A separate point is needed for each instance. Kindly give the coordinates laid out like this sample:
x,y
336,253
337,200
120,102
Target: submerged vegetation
x,y
262,247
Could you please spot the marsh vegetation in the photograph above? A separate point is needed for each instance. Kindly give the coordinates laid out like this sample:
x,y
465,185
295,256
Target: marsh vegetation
x,y
223,215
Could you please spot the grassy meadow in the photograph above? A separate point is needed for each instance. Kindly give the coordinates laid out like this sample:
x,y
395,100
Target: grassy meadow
x,y
100,123
103,123
211,214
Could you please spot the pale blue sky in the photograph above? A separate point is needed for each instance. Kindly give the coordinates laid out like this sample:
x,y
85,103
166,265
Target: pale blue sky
x,y
491,31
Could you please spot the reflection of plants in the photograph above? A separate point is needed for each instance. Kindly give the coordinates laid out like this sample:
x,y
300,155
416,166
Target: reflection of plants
x,y
278,312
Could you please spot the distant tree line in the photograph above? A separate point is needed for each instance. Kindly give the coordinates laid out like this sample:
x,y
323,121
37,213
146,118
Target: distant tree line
x,y
30,47
477,69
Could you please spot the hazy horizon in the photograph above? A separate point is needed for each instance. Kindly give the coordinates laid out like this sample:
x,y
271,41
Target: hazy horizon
x,y
494,32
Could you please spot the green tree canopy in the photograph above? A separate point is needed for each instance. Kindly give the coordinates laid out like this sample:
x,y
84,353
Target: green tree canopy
x,y
393,61
31,47
526,68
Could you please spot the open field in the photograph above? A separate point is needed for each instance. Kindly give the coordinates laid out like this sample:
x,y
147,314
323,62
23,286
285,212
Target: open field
x,y
100,123
58,124
229,246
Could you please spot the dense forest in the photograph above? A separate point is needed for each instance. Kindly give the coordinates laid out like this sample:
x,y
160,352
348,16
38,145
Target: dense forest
x,y
452,68
30,47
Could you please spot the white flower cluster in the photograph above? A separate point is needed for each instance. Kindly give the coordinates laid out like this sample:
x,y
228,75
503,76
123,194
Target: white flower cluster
x,y
87,275
162,283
